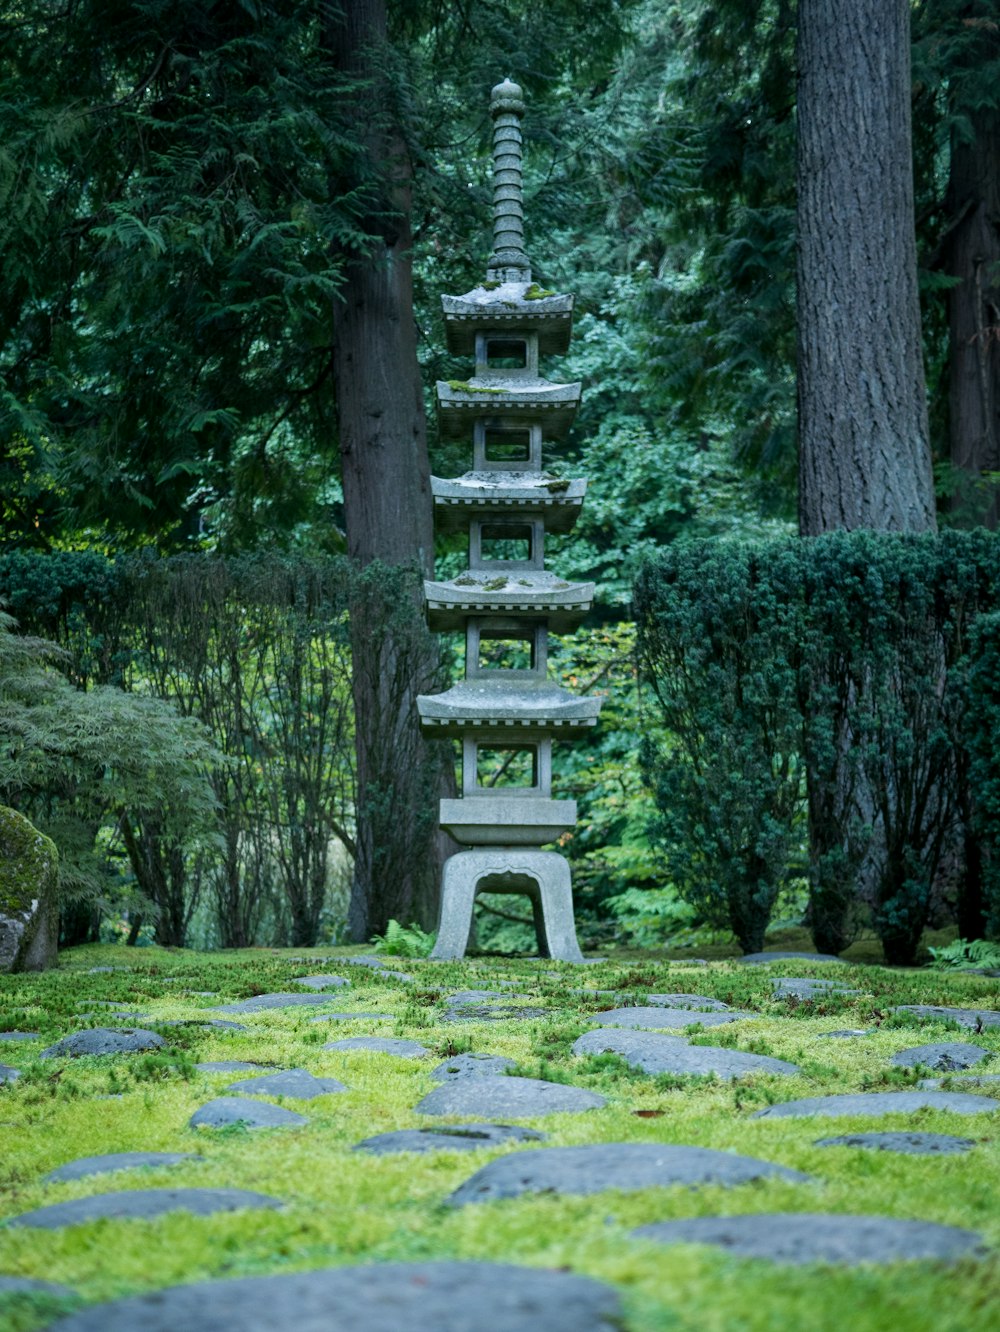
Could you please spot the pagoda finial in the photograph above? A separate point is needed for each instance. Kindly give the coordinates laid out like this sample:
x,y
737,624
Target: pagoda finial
x,y
508,262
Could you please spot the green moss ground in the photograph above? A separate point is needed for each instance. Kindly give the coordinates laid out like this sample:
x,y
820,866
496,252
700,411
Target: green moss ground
x,y
345,1207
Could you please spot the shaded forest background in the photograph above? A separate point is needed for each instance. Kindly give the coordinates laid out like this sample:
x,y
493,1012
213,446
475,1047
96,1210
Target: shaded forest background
x,y
197,202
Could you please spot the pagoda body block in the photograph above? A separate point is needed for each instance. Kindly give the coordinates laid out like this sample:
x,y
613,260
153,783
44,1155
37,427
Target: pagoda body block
x,y
506,711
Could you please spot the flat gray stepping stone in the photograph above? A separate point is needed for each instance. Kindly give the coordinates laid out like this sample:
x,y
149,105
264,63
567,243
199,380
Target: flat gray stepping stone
x,y
912,1144
965,1017
507,1098
103,1165
962,1080
141,1203
28,1286
802,1237
946,1056
381,1045
757,958
321,982
19,1036
614,1165
374,963
295,1082
376,1297
260,1002
803,987
653,1018
697,1001
879,1104
104,1041
229,1066
490,1013
472,1066
846,1032
653,1053
225,1111
8,1074
352,1017
454,1138
133,1019
463,997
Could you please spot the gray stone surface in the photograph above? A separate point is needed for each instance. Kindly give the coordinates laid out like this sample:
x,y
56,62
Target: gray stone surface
x,y
320,982
227,1110
945,1057
141,1203
653,1053
656,1018
453,1138
911,1144
19,1036
801,1237
296,1082
491,1013
260,1002
507,1098
229,1066
352,1017
366,960
965,1017
132,1019
376,1297
847,1032
380,1045
696,1001
462,997
879,1104
104,1041
103,1165
614,1165
217,1024
804,987
472,1065
779,956
8,1074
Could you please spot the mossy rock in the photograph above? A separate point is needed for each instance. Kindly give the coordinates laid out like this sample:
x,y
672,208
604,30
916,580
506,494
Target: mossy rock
x,y
29,909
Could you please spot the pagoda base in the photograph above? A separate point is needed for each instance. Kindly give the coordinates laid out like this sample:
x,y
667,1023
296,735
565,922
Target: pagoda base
x,y
541,876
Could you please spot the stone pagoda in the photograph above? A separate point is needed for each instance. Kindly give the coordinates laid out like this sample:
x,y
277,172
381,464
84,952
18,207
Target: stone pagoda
x,y
505,711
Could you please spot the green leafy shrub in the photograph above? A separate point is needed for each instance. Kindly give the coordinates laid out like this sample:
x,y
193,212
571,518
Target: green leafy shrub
x,y
404,940
966,955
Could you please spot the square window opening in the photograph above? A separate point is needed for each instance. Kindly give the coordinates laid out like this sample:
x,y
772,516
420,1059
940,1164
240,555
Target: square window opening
x,y
506,354
506,652
507,446
512,544
507,767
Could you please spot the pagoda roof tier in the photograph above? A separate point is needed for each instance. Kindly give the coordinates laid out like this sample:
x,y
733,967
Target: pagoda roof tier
x,y
527,494
508,307
519,400
529,592
517,704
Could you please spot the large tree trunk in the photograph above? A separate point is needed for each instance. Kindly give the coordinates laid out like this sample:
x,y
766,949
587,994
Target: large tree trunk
x,y
387,499
972,255
864,456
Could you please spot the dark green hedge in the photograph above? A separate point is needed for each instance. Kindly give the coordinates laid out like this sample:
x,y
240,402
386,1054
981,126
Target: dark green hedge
x,y
828,692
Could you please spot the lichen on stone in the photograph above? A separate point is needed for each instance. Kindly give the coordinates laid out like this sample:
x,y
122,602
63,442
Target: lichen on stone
x,y
28,861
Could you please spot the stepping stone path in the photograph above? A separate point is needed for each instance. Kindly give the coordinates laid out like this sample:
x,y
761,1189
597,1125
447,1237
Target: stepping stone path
x,y
8,1074
962,1080
696,1001
295,1082
880,1103
965,1017
654,1017
792,987
320,982
946,1057
846,1032
104,1041
509,1098
141,1204
628,1166
653,1053
19,1036
225,1111
229,1066
454,1138
801,1237
26,1286
133,1019
376,1297
490,1013
756,959
472,1066
260,1002
103,1165
381,1045
912,1144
